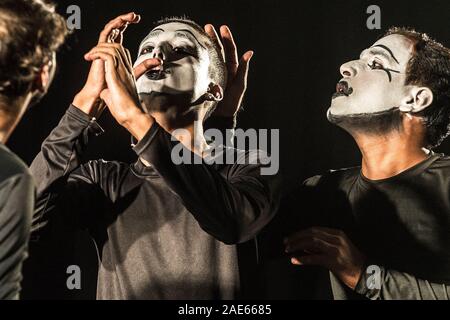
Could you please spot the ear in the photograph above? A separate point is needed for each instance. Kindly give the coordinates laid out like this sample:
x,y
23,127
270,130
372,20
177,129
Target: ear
x,y
44,77
417,100
215,93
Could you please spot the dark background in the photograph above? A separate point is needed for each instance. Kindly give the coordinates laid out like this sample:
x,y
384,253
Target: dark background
x,y
298,46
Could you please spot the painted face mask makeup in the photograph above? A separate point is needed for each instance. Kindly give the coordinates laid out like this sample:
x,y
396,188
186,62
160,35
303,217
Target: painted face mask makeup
x,y
183,76
372,86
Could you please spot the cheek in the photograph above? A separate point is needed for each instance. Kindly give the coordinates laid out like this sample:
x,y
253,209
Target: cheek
x,y
184,77
143,85
201,78
192,76
375,92
372,92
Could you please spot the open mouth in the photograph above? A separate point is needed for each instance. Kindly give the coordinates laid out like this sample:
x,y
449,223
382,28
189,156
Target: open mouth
x,y
157,74
342,89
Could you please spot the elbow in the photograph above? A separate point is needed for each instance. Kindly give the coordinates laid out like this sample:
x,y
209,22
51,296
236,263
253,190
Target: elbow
x,y
237,234
231,237
229,234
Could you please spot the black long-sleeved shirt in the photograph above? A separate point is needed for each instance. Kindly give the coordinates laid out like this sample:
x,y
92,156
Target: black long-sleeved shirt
x,y
162,232
402,225
17,193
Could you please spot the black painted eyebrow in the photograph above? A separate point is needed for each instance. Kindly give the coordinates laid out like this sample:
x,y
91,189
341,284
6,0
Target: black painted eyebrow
x,y
181,30
157,30
375,52
189,31
388,50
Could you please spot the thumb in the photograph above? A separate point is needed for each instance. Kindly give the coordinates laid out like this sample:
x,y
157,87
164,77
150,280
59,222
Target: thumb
x,y
105,95
110,66
242,72
144,66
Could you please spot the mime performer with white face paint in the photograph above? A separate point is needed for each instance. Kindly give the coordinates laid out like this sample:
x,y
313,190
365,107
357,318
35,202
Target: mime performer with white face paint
x,y
383,229
163,231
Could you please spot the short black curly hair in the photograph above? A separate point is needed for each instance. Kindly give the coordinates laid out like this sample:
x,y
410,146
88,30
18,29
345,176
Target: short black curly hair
x,y
430,67
30,32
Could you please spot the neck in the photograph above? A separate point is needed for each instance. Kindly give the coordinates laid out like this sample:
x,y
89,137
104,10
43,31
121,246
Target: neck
x,y
186,128
11,111
388,155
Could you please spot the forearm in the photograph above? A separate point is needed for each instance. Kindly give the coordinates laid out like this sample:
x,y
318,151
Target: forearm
x,y
396,285
60,155
231,207
62,149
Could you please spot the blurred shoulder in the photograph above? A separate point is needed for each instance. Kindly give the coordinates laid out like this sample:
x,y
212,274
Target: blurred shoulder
x,y
11,165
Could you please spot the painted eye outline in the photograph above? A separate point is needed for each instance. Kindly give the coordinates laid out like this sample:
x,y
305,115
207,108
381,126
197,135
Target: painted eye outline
x,y
381,67
375,65
183,51
149,48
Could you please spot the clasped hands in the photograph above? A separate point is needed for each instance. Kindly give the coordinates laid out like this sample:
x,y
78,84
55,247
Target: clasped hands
x,y
112,79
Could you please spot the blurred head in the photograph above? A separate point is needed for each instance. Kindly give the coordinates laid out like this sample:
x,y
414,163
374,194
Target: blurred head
x,y
30,34
404,72
192,75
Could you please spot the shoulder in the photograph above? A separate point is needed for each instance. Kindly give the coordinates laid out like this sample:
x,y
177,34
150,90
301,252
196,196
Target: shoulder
x,y
102,170
108,165
11,165
333,176
233,160
241,156
440,169
441,163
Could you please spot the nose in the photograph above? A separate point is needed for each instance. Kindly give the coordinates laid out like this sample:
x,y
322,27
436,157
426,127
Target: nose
x,y
158,53
348,69
161,51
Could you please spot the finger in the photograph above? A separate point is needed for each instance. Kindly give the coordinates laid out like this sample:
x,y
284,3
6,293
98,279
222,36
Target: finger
x,y
230,50
118,23
316,245
110,70
128,55
124,54
144,66
121,22
212,33
312,259
108,50
242,71
330,231
314,232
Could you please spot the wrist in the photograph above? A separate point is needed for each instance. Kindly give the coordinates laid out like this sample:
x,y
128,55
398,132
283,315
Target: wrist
x,y
88,104
138,123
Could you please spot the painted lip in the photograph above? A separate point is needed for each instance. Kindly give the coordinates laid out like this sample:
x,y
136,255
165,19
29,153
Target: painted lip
x,y
157,73
342,89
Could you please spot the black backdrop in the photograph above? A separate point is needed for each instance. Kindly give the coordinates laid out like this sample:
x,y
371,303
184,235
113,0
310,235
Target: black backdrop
x,y
298,46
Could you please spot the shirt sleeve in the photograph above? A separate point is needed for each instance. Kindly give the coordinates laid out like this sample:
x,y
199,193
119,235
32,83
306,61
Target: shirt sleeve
x,y
387,284
16,209
53,169
232,207
223,125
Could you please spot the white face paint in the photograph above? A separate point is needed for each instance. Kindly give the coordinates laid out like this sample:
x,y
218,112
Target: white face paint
x,y
185,62
375,82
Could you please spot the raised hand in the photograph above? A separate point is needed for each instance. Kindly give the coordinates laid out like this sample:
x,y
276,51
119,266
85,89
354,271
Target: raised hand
x,y
237,72
88,99
120,93
329,248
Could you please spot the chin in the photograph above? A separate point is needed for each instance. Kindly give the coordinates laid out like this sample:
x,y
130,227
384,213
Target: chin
x,y
340,107
162,101
335,109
